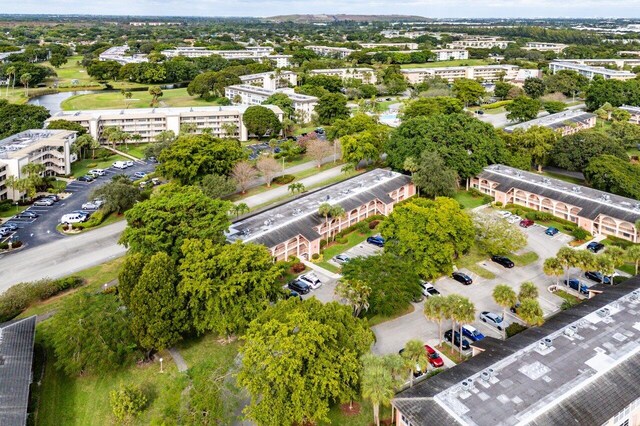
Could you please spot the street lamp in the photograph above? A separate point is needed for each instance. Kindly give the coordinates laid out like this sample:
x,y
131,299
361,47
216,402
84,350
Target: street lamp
x,y
161,364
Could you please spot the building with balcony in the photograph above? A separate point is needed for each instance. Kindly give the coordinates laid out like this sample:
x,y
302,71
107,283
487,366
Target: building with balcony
x,y
581,367
245,94
401,46
591,71
271,80
545,47
450,54
256,53
334,52
634,111
49,147
119,54
480,43
366,75
295,228
565,122
598,212
486,73
149,122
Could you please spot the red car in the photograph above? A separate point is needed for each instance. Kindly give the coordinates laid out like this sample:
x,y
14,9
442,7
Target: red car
x,y
525,223
434,358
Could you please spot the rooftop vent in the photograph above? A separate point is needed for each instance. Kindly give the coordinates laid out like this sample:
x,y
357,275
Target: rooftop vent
x,y
576,189
467,385
605,197
487,374
296,212
546,181
603,313
571,331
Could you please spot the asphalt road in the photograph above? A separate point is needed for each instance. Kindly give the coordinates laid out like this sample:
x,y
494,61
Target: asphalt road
x,y
42,230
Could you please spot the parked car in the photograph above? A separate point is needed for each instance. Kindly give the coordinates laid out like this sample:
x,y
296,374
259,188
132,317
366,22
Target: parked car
x,y
311,279
494,320
5,231
472,333
85,178
155,181
341,258
597,277
434,357
299,287
72,218
119,165
480,112
502,260
129,163
504,214
97,172
46,202
376,240
152,160
293,294
551,231
428,289
526,223
514,308
576,285
139,175
26,215
53,198
595,246
92,205
514,219
10,226
449,334
461,277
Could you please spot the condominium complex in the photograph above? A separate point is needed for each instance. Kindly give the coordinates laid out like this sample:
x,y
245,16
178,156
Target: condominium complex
x,y
525,73
402,46
221,121
366,75
450,54
257,53
336,52
581,367
634,111
480,43
598,212
629,53
591,71
271,80
49,147
487,73
565,122
245,94
296,229
545,47
4,56
119,54
620,63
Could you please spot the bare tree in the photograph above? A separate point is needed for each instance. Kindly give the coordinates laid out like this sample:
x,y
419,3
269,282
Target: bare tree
x,y
269,168
243,173
318,150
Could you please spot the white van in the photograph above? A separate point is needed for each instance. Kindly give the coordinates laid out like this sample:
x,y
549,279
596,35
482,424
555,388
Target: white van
x,y
119,165
72,218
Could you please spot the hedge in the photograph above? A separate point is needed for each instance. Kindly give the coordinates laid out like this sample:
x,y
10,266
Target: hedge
x,y
19,297
5,246
514,328
284,179
96,219
497,104
362,226
567,225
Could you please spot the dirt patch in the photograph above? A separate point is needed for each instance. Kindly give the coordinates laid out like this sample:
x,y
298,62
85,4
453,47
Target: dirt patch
x,y
350,409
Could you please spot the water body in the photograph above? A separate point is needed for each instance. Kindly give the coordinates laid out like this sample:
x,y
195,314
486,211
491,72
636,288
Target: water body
x,y
53,102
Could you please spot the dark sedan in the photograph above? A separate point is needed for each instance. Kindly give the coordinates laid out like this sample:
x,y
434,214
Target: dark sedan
x,y
595,246
462,278
376,240
504,261
299,287
456,339
597,277
85,178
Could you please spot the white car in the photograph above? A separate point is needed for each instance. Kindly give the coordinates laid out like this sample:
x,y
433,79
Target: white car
x,y
504,214
73,218
428,289
129,163
514,219
311,279
44,202
494,320
92,205
119,165
97,172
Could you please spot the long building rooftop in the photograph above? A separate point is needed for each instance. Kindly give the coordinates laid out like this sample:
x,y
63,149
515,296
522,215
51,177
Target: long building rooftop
x,y
213,110
22,140
553,121
298,217
582,367
268,92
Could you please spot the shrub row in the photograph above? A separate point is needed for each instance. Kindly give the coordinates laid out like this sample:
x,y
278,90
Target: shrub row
x,y
19,297
577,232
476,193
497,104
5,246
284,179
96,219
514,328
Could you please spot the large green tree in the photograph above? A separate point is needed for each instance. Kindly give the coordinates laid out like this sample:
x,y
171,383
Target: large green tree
x,y
282,101
298,358
119,195
470,92
430,106
62,124
16,118
574,152
331,107
190,157
261,121
433,177
173,214
496,236
523,108
534,87
538,141
613,174
429,233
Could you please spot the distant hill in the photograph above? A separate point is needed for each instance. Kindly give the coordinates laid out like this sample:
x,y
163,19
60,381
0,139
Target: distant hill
x,y
308,19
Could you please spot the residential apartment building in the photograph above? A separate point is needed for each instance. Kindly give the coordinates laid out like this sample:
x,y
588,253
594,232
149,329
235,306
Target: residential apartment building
x,y
591,71
49,147
480,43
256,53
486,73
245,94
271,80
545,47
366,75
581,367
4,56
119,54
296,229
620,63
149,122
634,111
334,52
598,212
524,74
402,46
629,53
450,54
565,122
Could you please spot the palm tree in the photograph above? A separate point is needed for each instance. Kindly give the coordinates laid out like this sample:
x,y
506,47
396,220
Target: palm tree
x,y
553,267
633,255
528,290
435,309
531,312
337,212
11,71
356,293
452,302
415,356
242,208
567,258
379,380
504,296
465,312
25,79
325,210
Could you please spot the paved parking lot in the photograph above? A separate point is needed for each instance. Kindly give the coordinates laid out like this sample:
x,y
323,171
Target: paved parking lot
x,y
34,232
364,249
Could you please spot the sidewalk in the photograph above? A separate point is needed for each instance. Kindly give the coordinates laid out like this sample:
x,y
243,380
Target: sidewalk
x,y
273,194
295,169
124,154
322,270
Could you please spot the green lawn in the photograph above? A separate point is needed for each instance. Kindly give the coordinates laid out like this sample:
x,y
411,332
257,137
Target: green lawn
x,y
139,99
135,149
471,260
14,210
468,200
379,319
353,239
363,418
72,70
525,258
81,167
454,63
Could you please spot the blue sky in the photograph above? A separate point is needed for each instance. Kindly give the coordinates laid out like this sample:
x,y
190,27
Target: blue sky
x,y
429,8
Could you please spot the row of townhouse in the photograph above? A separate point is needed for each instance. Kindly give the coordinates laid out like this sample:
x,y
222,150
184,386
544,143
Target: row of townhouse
x,y
366,75
257,53
590,71
245,94
49,147
486,73
450,54
403,46
220,121
620,63
565,122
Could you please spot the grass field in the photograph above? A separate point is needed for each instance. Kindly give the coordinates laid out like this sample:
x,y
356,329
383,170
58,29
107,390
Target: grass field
x,y
353,239
135,149
81,167
455,63
525,258
468,200
71,71
139,99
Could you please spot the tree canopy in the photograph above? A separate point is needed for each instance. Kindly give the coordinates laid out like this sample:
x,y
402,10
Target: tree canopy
x,y
331,107
523,108
574,152
430,106
433,177
261,121
613,174
16,118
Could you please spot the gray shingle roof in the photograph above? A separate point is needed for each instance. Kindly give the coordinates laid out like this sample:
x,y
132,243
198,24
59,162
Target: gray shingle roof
x,y
16,357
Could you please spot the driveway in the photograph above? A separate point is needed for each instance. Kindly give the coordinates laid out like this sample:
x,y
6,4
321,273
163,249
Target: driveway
x,y
42,230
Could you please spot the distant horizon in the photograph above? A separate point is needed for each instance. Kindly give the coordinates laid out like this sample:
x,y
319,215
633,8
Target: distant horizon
x,y
430,9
